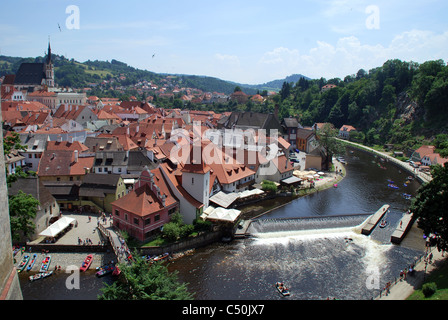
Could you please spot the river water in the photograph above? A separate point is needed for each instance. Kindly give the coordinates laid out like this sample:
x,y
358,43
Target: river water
x,y
319,256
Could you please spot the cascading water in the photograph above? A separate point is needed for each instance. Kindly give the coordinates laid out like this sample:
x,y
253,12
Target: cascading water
x,y
318,255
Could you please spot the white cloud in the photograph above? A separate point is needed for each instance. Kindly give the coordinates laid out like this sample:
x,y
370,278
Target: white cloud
x,y
231,60
349,54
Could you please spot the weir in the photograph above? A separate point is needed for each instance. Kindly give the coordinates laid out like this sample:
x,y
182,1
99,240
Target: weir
x,y
250,228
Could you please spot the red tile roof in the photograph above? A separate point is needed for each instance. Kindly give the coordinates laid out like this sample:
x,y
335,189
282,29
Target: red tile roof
x,y
63,163
143,200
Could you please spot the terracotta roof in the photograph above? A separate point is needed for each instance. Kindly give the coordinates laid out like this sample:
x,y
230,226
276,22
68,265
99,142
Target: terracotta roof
x,y
283,165
195,162
425,150
123,139
63,163
66,145
143,200
347,128
175,177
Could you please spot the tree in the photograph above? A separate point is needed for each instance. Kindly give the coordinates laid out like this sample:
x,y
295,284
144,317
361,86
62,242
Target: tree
x,y
431,206
143,281
176,229
326,140
12,142
22,211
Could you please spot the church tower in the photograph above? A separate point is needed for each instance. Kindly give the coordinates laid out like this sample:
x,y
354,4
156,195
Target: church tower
x,y
49,69
196,176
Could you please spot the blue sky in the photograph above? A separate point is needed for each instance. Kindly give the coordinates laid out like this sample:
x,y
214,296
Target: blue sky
x,y
244,41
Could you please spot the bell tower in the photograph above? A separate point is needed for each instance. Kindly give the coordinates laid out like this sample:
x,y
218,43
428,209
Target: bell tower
x,y
49,68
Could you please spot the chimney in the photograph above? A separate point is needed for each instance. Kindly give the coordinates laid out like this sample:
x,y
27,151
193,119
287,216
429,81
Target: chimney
x,y
127,131
163,200
76,156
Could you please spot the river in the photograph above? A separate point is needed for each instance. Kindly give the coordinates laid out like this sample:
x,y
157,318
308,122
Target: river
x,y
318,257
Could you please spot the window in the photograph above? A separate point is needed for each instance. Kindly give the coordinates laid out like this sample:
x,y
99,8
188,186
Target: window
x,y
126,216
147,221
136,221
157,217
117,213
192,180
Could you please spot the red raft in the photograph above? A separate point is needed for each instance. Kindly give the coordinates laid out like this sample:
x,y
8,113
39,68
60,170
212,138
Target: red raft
x,y
87,262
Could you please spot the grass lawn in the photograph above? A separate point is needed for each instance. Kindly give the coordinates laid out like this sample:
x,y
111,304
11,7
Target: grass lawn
x,y
440,277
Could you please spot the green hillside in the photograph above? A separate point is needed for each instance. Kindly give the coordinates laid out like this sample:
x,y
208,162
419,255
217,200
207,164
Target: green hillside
x,y
71,73
401,103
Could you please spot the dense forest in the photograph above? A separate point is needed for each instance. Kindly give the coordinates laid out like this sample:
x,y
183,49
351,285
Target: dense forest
x,y
400,103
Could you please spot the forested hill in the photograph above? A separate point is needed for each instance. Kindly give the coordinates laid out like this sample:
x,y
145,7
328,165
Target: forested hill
x,y
402,103
71,73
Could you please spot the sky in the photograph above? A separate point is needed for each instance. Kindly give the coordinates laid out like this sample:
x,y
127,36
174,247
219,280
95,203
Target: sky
x,y
245,41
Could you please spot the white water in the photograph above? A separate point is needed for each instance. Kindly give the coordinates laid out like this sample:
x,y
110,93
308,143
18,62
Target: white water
x,y
319,246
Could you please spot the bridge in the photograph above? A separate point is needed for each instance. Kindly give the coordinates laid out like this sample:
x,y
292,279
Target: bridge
x,y
118,243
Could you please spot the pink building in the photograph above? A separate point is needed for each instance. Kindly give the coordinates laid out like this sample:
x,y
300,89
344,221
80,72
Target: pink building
x,y
143,211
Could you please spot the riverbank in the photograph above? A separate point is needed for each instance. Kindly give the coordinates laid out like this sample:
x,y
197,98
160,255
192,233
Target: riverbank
x,y
408,284
420,176
327,181
65,260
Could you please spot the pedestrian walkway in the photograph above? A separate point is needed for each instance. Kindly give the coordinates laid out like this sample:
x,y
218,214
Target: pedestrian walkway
x,y
117,242
406,286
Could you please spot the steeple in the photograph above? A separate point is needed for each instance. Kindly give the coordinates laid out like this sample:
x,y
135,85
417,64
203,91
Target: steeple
x,y
49,68
49,52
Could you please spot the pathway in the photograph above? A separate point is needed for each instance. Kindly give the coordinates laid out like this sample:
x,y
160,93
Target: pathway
x,y
405,287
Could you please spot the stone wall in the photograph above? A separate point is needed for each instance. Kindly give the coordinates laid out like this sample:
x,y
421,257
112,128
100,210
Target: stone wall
x,y
197,242
9,283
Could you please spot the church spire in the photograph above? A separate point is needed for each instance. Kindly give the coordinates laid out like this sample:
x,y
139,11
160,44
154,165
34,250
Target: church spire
x,y
49,52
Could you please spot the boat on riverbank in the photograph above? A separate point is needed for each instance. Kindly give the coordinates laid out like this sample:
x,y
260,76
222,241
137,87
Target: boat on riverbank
x,y
33,261
161,257
105,269
45,264
86,264
40,275
23,263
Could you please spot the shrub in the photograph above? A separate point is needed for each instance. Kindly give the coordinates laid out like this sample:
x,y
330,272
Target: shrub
x,y
269,186
429,289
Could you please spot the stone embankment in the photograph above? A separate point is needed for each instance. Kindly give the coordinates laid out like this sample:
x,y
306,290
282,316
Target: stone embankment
x,y
420,176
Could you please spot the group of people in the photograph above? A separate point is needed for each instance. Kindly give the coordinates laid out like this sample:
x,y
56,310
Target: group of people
x,y
102,218
88,242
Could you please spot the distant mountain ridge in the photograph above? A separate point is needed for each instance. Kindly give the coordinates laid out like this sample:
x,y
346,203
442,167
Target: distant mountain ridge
x,y
276,85
71,73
